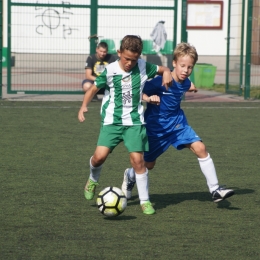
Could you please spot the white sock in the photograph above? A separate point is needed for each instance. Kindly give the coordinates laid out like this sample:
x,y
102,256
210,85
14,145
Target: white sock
x,y
131,174
94,172
142,186
208,169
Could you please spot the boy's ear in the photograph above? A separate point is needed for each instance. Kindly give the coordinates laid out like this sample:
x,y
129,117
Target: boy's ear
x,y
174,63
118,53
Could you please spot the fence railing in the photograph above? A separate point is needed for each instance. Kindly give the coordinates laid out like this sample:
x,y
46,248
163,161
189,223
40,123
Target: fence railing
x,y
49,43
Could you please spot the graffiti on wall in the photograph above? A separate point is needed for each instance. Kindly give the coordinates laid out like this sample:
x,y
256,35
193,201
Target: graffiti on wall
x,y
50,20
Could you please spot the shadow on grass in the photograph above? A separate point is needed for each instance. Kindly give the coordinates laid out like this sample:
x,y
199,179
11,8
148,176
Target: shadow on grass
x,y
163,200
120,218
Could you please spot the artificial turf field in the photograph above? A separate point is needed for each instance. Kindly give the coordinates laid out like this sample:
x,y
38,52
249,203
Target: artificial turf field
x,y
44,162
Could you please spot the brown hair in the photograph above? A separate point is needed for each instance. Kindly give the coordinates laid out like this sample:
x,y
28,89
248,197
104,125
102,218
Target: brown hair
x,y
132,43
184,49
102,45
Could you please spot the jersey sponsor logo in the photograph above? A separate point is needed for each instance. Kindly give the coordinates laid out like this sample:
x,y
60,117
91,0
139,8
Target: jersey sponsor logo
x,y
126,86
127,97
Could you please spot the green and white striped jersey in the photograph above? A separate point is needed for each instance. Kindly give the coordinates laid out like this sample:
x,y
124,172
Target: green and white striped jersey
x,y
122,101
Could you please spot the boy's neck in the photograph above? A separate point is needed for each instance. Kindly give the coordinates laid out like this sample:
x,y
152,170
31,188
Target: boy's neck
x,y
176,79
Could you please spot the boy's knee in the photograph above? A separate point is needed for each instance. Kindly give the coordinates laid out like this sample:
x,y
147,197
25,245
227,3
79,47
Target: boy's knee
x,y
86,87
97,160
201,151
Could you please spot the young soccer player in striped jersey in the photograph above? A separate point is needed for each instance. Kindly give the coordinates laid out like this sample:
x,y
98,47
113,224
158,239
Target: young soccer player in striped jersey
x,y
166,123
122,114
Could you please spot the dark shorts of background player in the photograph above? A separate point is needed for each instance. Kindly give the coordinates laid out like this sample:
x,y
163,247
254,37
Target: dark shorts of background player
x,y
134,137
177,138
101,91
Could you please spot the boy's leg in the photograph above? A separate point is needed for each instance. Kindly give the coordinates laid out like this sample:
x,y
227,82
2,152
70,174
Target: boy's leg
x,y
86,85
96,162
208,169
135,140
155,150
142,182
206,164
128,182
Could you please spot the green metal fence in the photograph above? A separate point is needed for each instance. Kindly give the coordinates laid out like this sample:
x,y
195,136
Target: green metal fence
x,y
243,47
235,51
253,72
48,43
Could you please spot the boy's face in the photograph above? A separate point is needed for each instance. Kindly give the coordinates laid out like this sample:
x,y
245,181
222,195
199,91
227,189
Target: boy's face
x,y
127,59
101,53
183,67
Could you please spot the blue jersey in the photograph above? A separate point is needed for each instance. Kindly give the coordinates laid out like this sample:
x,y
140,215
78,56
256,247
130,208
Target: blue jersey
x,y
166,117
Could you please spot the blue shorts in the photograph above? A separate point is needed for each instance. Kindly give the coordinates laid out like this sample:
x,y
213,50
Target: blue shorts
x,y
87,80
101,91
178,139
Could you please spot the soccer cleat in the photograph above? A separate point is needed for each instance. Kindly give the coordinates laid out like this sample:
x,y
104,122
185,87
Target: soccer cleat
x,y
89,190
147,208
127,185
221,193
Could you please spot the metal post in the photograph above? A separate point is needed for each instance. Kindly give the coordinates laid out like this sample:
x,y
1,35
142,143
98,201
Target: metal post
x,y
242,48
93,25
248,48
8,55
175,23
228,48
184,34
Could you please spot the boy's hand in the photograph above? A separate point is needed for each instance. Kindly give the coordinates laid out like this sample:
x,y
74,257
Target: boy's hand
x,y
167,79
154,99
81,113
192,88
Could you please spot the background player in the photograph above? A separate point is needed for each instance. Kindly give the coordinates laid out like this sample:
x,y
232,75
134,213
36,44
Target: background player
x,y
95,65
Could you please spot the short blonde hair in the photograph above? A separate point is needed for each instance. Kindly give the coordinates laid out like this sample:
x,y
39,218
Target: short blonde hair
x,y
183,49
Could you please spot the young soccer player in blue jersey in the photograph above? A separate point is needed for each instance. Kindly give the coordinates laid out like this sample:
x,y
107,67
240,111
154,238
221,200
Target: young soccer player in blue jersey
x,y
166,123
122,114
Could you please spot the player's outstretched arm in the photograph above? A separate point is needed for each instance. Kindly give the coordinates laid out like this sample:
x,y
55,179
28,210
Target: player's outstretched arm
x,y
87,98
154,99
192,88
166,76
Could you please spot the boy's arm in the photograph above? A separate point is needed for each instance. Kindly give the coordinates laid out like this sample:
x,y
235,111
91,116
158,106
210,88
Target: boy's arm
x,y
89,69
87,98
166,76
89,75
154,99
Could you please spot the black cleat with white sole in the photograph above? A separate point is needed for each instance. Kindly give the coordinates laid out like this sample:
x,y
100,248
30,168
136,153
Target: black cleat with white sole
x,y
222,193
